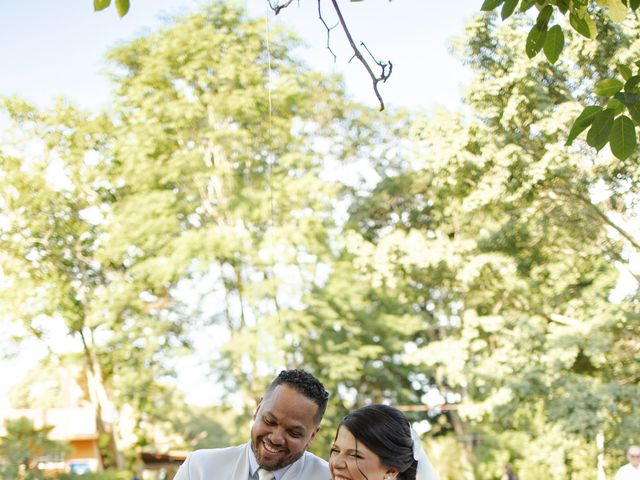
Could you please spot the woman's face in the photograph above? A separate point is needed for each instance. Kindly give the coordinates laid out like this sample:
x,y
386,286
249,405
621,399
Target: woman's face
x,y
347,462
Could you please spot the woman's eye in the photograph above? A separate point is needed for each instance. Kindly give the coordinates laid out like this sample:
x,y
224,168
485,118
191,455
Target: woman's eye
x,y
332,451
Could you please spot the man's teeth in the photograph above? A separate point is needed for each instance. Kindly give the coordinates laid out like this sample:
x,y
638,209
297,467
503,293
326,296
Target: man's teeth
x,y
271,450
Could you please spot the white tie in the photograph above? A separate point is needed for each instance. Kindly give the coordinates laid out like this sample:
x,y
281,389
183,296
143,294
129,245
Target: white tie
x,y
265,474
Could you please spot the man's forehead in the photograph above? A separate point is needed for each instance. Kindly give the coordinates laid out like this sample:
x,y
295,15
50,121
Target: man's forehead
x,y
286,403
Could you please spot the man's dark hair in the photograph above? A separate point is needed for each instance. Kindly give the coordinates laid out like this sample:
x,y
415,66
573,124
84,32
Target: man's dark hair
x,y
306,384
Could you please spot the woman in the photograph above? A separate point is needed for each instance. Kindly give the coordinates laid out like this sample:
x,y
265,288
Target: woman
x,y
376,443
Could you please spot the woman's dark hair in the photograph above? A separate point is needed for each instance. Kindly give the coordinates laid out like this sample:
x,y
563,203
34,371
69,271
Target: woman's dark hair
x,y
386,432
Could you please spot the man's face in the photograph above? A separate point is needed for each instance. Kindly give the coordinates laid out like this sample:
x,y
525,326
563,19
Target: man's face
x,y
634,456
283,427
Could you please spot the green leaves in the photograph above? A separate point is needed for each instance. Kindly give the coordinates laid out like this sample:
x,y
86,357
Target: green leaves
x,y
605,128
122,6
608,87
623,137
625,71
583,25
508,8
616,10
489,5
100,4
535,40
611,125
554,43
598,134
583,122
544,16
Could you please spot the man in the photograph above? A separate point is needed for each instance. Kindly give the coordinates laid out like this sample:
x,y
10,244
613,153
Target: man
x,y
285,422
630,471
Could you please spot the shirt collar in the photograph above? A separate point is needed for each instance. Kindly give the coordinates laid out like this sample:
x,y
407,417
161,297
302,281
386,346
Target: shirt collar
x,y
253,466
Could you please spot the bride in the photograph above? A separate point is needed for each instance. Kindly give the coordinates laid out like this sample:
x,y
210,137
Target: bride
x,y
376,443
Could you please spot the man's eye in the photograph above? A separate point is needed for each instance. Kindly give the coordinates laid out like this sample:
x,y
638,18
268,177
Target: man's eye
x,y
295,434
268,421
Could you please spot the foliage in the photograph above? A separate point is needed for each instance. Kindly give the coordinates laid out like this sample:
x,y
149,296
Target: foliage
x,y
490,236
105,475
477,265
608,124
24,446
122,6
198,177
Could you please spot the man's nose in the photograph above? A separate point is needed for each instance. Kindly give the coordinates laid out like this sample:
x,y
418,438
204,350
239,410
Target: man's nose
x,y
277,436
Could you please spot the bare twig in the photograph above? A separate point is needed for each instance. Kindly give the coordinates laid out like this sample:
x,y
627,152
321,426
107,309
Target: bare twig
x,y
385,67
356,53
277,8
328,30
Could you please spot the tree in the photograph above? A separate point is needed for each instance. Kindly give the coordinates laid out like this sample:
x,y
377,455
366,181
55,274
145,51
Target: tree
x,y
55,279
197,202
23,446
612,125
489,236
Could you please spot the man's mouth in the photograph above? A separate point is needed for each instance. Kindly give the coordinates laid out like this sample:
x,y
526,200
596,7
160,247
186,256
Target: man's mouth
x,y
271,449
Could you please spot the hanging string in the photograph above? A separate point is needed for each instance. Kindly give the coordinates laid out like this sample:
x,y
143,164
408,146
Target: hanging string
x,y
269,159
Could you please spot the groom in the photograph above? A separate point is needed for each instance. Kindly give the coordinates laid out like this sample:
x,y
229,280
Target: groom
x,y
285,422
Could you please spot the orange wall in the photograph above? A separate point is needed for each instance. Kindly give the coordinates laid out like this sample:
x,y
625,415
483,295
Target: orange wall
x,y
84,449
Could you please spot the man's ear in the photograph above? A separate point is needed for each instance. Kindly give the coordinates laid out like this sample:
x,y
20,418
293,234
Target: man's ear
x,y
314,433
255,413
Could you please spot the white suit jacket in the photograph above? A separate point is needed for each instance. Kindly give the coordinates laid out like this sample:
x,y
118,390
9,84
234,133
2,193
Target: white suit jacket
x,y
232,463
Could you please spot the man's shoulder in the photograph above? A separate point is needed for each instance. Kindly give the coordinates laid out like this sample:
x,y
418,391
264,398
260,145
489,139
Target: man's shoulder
x,y
627,472
313,461
212,454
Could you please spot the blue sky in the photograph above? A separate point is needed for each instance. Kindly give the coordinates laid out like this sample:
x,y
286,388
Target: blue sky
x,y
52,48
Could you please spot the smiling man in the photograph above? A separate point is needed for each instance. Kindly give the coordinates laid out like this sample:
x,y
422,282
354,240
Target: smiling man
x,y
285,422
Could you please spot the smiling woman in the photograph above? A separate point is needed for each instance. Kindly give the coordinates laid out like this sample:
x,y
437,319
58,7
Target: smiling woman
x,y
376,443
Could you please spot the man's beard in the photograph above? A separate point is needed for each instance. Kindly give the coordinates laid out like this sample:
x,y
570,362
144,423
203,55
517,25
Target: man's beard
x,y
283,462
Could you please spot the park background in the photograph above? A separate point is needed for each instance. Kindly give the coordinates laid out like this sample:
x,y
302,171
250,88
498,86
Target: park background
x,y
215,202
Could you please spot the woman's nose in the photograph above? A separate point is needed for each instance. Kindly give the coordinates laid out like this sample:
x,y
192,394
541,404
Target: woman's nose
x,y
338,461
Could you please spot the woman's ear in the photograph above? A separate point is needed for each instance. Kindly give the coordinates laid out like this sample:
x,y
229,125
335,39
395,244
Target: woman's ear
x,y
391,474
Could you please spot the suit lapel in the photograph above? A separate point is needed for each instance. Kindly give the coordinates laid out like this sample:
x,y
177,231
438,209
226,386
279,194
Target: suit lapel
x,y
296,470
241,468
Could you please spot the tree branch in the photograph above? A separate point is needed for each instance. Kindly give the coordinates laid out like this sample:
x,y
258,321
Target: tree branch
x,y
385,67
609,222
384,74
328,30
277,8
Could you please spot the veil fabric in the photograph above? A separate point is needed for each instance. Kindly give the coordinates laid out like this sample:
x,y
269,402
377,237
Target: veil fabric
x,y
425,469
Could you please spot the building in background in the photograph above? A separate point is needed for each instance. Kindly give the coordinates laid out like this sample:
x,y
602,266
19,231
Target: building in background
x,y
75,426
